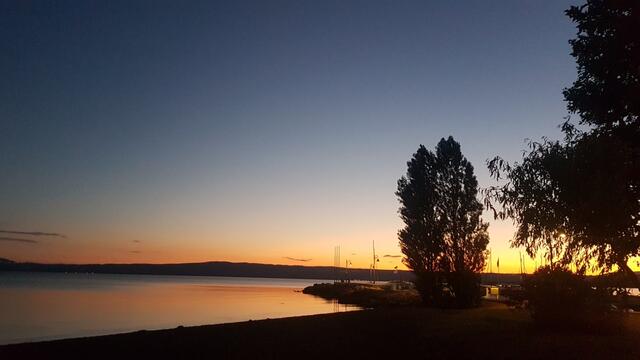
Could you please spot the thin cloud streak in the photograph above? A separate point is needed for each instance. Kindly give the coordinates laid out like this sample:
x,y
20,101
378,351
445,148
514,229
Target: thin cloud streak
x,y
296,259
392,256
32,233
28,241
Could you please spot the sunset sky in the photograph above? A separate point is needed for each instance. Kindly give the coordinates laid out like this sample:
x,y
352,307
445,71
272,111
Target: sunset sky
x,y
257,131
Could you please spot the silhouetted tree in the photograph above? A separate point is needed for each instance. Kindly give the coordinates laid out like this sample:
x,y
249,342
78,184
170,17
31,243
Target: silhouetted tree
x,y
465,234
603,194
531,197
421,238
606,93
443,233
579,199
575,200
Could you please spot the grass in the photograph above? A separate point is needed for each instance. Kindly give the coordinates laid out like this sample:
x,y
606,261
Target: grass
x,y
490,332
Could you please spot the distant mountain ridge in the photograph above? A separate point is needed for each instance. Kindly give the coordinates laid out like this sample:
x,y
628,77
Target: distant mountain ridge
x,y
214,268
231,269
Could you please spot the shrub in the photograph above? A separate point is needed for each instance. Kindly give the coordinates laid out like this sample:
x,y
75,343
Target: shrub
x,y
429,287
466,289
462,290
559,298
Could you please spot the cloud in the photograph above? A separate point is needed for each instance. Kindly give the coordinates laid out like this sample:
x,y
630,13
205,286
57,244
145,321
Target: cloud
x,y
28,241
392,256
136,241
32,233
135,251
296,259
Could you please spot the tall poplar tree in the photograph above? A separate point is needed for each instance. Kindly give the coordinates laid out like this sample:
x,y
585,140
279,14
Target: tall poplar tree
x,y
444,237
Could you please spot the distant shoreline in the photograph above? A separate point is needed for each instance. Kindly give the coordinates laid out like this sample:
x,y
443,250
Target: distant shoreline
x,y
231,269
213,268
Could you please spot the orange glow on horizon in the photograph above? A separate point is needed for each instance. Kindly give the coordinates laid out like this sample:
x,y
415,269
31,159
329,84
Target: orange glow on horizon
x,y
509,262
172,244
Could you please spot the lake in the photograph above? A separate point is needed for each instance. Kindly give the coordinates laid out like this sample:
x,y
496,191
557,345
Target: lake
x,y
44,306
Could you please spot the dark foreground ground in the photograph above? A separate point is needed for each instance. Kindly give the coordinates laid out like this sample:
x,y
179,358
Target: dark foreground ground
x,y
490,332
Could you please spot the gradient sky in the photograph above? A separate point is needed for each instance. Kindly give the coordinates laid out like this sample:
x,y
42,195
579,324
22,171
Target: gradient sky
x,y
157,131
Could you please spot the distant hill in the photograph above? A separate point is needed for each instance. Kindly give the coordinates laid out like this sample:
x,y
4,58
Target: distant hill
x,y
213,268
223,268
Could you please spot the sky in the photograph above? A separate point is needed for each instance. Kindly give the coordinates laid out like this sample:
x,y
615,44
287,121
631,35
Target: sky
x,y
158,131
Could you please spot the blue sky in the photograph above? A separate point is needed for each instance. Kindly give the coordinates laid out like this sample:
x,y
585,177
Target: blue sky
x,y
251,130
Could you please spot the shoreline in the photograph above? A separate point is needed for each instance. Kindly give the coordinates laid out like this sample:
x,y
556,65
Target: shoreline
x,y
491,331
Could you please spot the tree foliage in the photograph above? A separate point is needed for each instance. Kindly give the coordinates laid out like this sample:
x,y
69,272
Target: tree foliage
x,y
579,199
574,200
606,93
421,236
444,235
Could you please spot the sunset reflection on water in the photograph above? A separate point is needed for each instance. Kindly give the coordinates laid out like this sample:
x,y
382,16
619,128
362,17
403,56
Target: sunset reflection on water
x,y
36,306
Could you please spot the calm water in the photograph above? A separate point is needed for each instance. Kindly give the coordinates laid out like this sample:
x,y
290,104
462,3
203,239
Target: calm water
x,y
41,306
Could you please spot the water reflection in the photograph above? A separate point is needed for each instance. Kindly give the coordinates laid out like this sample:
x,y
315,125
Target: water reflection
x,y
36,306
338,307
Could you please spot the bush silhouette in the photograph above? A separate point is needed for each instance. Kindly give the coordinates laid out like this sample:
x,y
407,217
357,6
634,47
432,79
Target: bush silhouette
x,y
559,298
